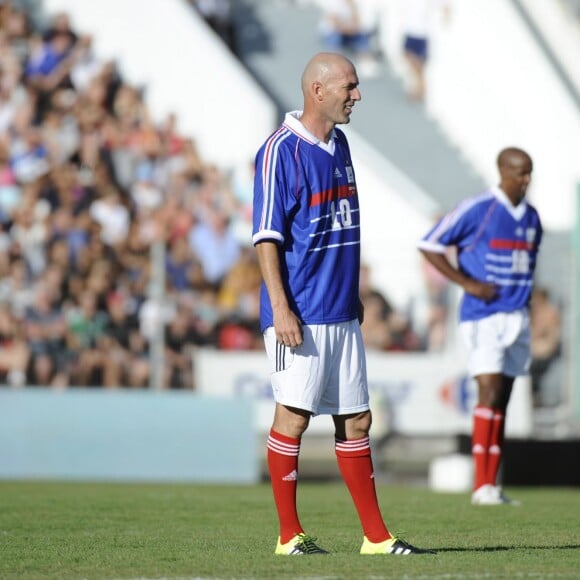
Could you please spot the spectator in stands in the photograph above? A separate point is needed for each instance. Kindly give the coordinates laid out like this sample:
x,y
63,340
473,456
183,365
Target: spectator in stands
x,y
181,340
384,327
546,326
139,371
16,287
86,68
60,24
121,325
192,163
29,155
239,293
49,65
29,231
179,263
375,327
86,329
14,350
9,188
377,309
206,315
17,27
417,25
109,211
239,302
349,26
437,303
216,246
45,332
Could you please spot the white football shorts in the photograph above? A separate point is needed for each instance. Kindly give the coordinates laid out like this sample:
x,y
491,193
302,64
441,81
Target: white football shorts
x,y
326,374
499,343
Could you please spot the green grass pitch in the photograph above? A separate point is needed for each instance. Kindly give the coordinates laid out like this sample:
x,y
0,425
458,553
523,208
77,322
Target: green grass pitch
x,y
94,531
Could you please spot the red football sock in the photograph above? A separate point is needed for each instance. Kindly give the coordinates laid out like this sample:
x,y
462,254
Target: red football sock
x,y
482,424
495,446
283,467
356,467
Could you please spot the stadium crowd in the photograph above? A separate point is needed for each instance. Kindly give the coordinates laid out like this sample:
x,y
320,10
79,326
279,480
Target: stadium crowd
x,y
89,182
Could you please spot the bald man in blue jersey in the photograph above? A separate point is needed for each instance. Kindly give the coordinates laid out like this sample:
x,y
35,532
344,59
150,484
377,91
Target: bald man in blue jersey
x,y
307,236
497,236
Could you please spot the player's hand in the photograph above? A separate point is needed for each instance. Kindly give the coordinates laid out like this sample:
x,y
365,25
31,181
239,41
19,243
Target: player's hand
x,y
485,291
288,328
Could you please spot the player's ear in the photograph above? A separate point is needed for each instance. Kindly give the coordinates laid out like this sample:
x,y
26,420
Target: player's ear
x,y
318,91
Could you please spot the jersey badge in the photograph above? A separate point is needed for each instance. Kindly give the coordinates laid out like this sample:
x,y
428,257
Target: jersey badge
x,y
349,174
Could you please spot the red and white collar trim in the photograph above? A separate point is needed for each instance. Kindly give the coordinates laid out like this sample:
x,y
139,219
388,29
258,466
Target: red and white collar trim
x,y
292,121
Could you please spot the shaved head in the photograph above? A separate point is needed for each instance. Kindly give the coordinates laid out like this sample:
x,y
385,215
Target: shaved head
x,y
330,89
321,67
510,156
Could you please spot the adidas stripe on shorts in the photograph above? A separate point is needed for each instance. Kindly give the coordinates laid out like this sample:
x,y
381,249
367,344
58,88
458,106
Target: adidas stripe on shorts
x,y
499,343
326,374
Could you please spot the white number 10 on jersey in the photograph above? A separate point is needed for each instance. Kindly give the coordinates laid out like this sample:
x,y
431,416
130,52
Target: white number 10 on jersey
x,y
344,212
520,262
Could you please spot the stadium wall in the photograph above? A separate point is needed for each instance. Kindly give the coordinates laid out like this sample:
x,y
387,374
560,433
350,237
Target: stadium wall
x,y
164,46
126,436
412,394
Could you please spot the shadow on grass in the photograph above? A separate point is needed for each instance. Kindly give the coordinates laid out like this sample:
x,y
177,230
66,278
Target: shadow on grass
x,y
508,548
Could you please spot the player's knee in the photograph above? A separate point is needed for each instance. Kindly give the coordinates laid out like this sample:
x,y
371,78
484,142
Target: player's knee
x,y
291,422
363,423
354,426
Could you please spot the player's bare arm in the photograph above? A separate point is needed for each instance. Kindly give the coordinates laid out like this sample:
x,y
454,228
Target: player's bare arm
x,y
483,290
286,324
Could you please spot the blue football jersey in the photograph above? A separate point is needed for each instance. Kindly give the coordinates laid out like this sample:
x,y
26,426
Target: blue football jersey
x,y
306,201
496,242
